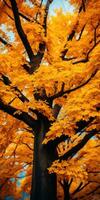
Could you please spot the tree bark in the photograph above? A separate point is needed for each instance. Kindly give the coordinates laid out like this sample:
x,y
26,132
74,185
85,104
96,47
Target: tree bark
x,y
43,184
66,191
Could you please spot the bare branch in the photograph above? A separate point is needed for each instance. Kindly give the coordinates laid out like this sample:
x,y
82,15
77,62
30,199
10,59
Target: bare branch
x,y
9,16
46,14
27,146
4,42
77,189
81,60
81,32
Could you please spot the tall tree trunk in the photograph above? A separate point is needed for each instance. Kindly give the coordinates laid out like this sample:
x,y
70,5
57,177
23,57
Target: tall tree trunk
x,y
43,184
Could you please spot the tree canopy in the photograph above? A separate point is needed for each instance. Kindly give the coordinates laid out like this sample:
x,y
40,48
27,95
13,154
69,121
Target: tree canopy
x,y
49,100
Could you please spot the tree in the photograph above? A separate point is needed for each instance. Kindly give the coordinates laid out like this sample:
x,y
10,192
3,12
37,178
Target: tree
x,y
50,88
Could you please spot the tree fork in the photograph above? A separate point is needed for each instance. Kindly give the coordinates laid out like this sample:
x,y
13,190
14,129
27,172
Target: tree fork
x,y
66,191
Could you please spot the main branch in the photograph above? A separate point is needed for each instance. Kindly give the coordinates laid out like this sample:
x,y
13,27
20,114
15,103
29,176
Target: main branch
x,y
20,30
18,114
79,146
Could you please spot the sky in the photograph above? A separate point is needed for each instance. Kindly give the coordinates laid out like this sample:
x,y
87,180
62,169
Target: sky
x,y
56,4
64,4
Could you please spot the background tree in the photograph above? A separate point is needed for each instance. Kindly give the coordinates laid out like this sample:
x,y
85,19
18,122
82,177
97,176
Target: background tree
x,y
49,96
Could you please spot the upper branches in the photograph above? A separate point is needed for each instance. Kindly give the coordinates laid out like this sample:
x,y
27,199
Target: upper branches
x,y
20,30
83,6
35,60
84,35
49,99
95,43
75,59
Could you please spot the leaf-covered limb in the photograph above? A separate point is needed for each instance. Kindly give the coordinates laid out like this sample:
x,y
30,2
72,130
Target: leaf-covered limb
x,y
42,45
25,145
79,146
20,95
15,89
83,6
18,114
70,37
41,95
82,125
86,59
20,30
20,13
81,32
61,93
35,60
57,141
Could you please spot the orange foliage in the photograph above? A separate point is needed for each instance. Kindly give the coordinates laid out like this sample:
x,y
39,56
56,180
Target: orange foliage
x,y
51,61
